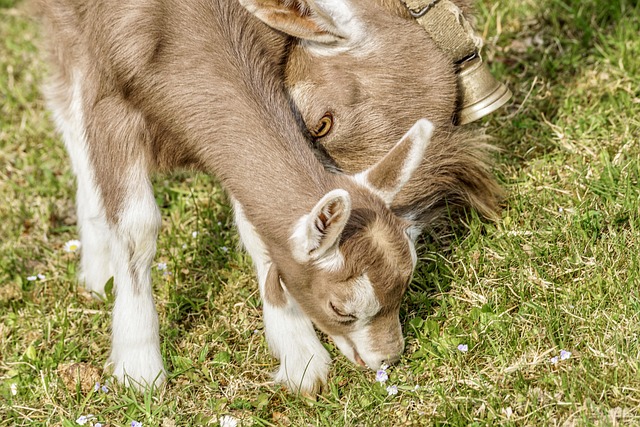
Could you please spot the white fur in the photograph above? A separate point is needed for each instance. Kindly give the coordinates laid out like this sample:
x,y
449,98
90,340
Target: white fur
x,y
332,261
304,362
360,340
413,232
420,136
356,40
95,265
135,352
363,303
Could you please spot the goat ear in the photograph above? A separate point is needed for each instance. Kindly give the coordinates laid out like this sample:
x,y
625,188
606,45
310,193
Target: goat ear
x,y
303,19
387,177
317,234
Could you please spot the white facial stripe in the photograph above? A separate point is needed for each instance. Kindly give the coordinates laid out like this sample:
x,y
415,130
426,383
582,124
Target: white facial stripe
x,y
363,302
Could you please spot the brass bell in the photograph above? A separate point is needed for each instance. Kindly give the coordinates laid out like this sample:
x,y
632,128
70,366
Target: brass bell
x,y
480,92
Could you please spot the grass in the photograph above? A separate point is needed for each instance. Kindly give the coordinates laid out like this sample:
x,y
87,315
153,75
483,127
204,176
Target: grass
x,y
559,271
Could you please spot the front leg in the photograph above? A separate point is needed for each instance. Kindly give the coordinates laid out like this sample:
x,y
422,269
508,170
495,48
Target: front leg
x,y
304,362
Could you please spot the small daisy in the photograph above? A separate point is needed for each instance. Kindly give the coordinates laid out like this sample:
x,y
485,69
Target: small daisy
x,y
14,389
32,278
382,376
72,246
463,348
228,421
162,266
392,390
564,355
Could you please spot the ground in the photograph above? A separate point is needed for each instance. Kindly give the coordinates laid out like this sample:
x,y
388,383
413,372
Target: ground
x,y
532,320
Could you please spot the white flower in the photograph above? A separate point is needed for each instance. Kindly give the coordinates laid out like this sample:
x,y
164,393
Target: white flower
x,y
194,234
392,390
72,246
14,389
463,348
32,278
554,360
228,421
41,276
162,266
564,355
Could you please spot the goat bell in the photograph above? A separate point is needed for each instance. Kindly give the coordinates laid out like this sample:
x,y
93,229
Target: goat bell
x,y
480,93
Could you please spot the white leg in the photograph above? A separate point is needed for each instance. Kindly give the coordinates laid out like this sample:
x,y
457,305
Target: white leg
x,y
304,362
95,262
135,354
95,268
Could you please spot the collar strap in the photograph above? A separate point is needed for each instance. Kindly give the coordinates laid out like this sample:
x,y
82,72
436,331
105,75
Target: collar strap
x,y
447,26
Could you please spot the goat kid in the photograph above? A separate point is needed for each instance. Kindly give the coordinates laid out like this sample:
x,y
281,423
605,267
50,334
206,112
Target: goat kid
x,y
360,73
143,86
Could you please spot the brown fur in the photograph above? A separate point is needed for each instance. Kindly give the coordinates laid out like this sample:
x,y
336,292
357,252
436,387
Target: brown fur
x,y
375,96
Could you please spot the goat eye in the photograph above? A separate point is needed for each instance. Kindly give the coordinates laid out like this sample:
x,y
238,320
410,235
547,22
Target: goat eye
x,y
345,316
323,127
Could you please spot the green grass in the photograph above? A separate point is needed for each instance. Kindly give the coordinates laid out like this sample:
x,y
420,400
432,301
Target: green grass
x,y
559,271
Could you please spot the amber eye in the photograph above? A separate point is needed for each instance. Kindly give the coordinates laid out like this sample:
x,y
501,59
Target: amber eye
x,y
323,127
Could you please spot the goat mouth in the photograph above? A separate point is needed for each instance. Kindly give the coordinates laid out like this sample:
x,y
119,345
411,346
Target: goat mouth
x,y
358,359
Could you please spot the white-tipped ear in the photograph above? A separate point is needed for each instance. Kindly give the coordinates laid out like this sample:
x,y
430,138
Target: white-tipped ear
x,y
317,234
387,177
322,21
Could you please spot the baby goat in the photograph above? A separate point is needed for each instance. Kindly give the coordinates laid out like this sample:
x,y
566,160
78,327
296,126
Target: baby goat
x,y
140,86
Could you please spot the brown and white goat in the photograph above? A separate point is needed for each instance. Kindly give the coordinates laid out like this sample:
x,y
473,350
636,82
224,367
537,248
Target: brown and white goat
x,y
360,72
140,86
